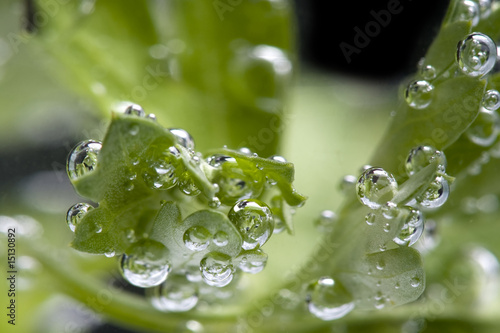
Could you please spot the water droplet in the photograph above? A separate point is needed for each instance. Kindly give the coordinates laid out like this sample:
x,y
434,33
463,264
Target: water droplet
x,y
370,218
476,55
397,285
98,229
197,238
348,183
254,221
491,100
187,185
130,234
428,72
135,110
110,253
176,294
278,158
134,130
254,264
183,138
217,160
485,128
327,299
436,195
380,265
151,116
485,8
419,94
412,228
375,187
380,301
422,156
76,213
214,203
415,282
390,211
325,221
217,269
161,171
245,151
221,238
83,159
467,11
145,264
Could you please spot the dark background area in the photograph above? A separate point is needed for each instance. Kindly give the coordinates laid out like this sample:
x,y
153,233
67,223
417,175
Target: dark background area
x,y
391,53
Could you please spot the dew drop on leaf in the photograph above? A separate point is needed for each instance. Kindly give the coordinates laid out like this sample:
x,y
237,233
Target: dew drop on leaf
x,y
217,160
485,128
327,299
278,158
217,269
491,100
476,55
422,156
183,138
76,213
436,195
197,238
176,294
145,264
428,72
325,221
419,94
390,210
468,11
412,228
187,185
160,172
370,218
221,238
254,264
254,221
135,110
375,187
415,282
83,158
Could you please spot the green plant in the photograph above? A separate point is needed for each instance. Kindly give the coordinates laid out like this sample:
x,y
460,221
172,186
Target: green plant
x,y
167,207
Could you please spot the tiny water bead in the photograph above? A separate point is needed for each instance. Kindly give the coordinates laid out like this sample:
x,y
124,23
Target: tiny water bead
x,y
375,187
161,171
253,264
419,94
176,294
422,156
485,128
76,213
491,100
145,264
436,195
183,138
187,185
135,110
415,282
476,55
325,221
217,160
390,210
278,158
197,238
254,220
217,270
412,228
83,158
327,299
370,218
220,238
428,72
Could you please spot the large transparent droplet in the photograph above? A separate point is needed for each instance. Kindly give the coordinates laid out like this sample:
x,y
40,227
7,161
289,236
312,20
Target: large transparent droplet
x,y
254,263
476,54
197,238
375,187
145,264
76,213
83,158
436,195
422,156
491,100
254,220
485,128
176,294
183,138
135,110
217,269
327,299
161,170
419,94
412,228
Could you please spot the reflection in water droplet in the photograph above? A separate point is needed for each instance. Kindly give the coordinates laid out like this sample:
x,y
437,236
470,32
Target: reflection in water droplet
x,y
467,11
145,264
187,185
76,213
135,110
217,269
390,210
197,238
254,221
412,228
183,138
254,263
476,55
176,294
221,238
491,100
375,187
83,159
217,160
161,171
419,94
422,156
327,299
436,195
485,128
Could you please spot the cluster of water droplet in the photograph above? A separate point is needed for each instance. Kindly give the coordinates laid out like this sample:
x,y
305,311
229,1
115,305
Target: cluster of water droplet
x,y
241,186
